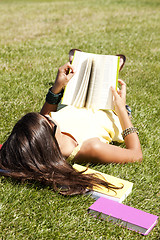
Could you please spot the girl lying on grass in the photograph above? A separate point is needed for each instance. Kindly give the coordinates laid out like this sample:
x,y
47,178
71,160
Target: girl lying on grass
x,y
42,145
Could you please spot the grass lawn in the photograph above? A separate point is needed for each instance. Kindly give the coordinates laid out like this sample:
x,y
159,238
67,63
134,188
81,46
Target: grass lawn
x,y
35,37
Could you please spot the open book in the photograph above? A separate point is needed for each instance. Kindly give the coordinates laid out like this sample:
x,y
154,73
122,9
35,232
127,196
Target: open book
x,y
90,86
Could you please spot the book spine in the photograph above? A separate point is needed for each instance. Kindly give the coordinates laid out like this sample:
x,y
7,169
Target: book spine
x,y
117,73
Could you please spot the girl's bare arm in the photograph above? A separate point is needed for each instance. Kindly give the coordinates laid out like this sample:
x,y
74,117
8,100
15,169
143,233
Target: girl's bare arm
x,y
96,151
63,77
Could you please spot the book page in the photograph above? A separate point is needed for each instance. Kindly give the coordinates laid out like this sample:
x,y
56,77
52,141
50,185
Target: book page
x,y
91,85
118,221
105,74
96,81
82,89
111,66
73,86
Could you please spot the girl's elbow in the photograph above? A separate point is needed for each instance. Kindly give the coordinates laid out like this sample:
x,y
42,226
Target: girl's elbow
x,y
141,157
135,156
138,156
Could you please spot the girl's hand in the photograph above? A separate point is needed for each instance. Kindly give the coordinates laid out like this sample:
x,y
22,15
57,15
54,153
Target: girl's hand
x,y
65,73
119,96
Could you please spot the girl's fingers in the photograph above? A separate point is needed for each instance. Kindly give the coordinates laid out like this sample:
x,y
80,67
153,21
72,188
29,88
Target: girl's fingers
x,y
66,68
70,75
70,67
121,81
123,88
115,94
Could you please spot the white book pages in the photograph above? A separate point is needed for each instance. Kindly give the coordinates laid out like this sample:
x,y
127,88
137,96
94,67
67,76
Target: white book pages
x,y
91,85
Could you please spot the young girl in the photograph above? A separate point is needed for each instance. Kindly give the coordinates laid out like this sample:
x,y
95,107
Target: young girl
x,y
42,145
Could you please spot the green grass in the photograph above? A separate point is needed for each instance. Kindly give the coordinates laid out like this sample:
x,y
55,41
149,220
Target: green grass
x,y
35,37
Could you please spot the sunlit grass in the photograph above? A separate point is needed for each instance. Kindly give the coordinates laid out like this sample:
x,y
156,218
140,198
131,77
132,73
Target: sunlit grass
x,y
35,37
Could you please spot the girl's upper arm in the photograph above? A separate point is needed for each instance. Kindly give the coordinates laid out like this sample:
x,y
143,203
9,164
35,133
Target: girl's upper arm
x,y
93,150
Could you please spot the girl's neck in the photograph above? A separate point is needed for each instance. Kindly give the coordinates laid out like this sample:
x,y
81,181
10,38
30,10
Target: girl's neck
x,y
67,144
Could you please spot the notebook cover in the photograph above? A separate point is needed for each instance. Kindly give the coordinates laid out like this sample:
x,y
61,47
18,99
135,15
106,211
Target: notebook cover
x,y
119,194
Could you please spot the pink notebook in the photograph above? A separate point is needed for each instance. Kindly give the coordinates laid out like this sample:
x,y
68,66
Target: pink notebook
x,y
124,215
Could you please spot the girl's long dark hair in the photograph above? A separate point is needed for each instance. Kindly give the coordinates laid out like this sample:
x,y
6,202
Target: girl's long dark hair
x,y
32,153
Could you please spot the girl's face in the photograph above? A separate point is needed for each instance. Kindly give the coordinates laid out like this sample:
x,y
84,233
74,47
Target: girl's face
x,y
55,127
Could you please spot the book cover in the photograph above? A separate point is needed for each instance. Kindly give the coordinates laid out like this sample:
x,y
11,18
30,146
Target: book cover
x,y
125,216
90,86
117,195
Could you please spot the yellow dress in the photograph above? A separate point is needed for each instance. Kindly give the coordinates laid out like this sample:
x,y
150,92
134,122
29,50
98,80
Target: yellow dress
x,y
83,124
